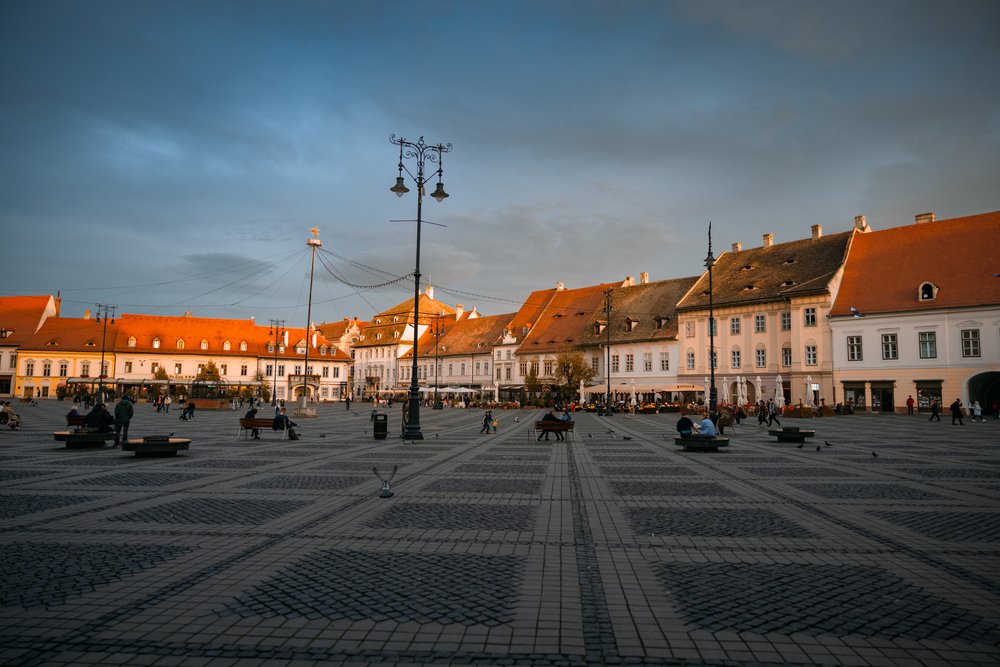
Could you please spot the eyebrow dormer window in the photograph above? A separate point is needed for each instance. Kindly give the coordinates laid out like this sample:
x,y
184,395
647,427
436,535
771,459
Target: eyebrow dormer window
x,y
156,343
928,292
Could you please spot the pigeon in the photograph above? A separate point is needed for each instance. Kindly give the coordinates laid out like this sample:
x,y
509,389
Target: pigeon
x,y
799,446
322,435
437,435
827,443
874,454
170,434
625,437
517,420
589,436
818,448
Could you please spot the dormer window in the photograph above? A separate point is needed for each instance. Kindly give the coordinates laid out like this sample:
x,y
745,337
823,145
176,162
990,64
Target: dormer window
x,y
378,321
322,350
788,283
749,288
790,260
243,346
928,292
661,321
630,324
395,334
270,347
156,343
378,336
747,267
52,343
131,341
598,328
395,318
180,343
204,344
226,345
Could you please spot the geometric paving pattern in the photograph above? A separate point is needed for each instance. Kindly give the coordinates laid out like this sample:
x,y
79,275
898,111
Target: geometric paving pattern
x,y
494,485
468,589
309,482
37,575
815,600
138,479
712,522
646,471
501,469
454,516
246,512
952,526
17,505
790,471
12,475
868,491
954,473
644,488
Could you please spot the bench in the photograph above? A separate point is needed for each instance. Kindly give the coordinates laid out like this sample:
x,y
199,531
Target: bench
x,y
81,437
75,420
154,445
542,426
697,444
792,434
248,425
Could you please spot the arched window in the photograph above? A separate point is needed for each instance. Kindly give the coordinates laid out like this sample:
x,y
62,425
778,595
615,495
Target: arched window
x,y
928,292
204,344
226,345
243,346
131,341
156,343
180,343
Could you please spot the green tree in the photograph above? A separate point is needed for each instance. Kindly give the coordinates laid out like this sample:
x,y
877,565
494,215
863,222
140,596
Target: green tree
x,y
209,373
531,384
571,369
161,374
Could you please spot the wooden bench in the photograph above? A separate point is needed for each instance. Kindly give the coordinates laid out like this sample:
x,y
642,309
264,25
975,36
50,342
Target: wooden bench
x,y
792,434
248,425
156,446
75,420
697,444
81,437
542,426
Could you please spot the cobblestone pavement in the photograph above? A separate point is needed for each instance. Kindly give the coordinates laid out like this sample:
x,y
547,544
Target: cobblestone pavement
x,y
497,549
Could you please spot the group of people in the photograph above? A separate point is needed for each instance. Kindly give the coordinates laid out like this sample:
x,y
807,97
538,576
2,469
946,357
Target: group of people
x,y
704,429
281,423
101,420
550,416
10,417
768,412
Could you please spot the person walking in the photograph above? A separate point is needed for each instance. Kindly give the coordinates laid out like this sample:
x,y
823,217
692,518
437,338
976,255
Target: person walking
x,y
123,416
166,403
487,422
772,414
909,405
956,412
347,402
977,412
935,411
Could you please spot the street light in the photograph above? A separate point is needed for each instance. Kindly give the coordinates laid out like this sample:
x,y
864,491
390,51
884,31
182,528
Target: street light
x,y
607,347
422,153
108,313
277,330
438,330
713,397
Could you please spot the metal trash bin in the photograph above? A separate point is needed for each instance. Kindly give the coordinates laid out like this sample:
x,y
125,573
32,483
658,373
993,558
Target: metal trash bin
x,y
380,426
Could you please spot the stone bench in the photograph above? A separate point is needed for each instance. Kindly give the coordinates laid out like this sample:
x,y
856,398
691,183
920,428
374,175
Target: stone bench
x,y
81,438
696,444
156,446
792,434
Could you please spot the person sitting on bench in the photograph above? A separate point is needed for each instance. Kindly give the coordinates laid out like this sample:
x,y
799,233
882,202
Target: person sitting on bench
x,y
252,414
100,419
13,419
685,426
282,422
550,417
707,428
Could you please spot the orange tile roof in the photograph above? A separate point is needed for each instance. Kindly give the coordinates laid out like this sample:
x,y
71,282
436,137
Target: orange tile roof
x,y
72,334
168,329
886,268
21,316
564,320
474,336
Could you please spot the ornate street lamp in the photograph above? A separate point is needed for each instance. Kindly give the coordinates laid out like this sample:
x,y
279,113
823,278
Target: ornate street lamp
x,y
107,312
713,397
279,332
607,329
423,153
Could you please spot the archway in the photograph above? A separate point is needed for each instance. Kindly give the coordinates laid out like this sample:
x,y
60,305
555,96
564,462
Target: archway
x,y
985,388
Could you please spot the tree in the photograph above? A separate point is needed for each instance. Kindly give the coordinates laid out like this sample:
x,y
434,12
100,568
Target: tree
x,y
531,383
571,369
161,374
208,373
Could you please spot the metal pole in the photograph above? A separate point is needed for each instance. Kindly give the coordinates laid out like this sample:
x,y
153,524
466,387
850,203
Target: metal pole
x,y
315,243
276,327
713,401
607,330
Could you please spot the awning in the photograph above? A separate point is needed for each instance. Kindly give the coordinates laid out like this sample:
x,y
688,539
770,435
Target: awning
x,y
683,387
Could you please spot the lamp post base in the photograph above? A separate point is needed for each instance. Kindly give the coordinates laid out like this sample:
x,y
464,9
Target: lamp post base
x,y
412,434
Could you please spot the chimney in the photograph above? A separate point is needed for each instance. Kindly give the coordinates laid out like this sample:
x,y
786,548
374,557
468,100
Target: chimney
x,y
315,338
628,282
860,223
459,309
768,240
559,286
737,247
429,291
817,231
644,278
87,314
921,218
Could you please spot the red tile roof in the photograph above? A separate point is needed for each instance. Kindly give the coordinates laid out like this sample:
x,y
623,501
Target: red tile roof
x,y
73,334
886,268
21,316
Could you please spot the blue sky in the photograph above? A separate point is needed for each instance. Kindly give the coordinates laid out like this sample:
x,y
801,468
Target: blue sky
x,y
164,156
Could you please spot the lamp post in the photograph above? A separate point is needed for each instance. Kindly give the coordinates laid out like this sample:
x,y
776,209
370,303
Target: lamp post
x,y
713,398
313,243
438,330
107,312
277,329
422,153
607,347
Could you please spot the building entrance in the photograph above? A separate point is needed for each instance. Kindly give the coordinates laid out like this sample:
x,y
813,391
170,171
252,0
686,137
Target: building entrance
x,y
985,388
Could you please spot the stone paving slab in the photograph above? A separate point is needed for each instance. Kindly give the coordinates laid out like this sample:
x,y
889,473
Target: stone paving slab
x,y
496,549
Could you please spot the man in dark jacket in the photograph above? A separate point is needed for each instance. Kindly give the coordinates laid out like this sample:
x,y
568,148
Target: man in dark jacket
x,y
100,419
550,417
123,415
252,414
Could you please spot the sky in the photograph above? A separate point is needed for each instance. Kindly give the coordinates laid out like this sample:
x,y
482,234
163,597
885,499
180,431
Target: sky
x,y
171,156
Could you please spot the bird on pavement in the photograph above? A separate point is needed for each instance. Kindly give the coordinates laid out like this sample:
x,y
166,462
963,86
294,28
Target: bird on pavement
x,y
625,437
827,443
322,435
799,446
818,448
874,454
517,420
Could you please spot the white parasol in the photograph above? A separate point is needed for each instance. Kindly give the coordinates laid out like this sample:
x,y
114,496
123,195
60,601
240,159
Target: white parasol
x,y
725,390
779,391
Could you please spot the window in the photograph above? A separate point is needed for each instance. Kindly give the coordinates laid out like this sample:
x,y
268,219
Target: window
x,y
326,372
689,329
29,368
809,317
84,369
128,366
854,349
534,367
548,368
201,369
970,343
927,342
131,341
736,358
46,368
63,369
647,361
270,347
226,345
451,369
629,362
890,350
595,364
664,361
614,363
498,372
180,343
156,343
786,356
224,369
928,292
761,357
298,370
507,373
689,360
204,344
243,346
486,368
523,368
177,369
713,326
281,370
13,360
154,367
715,359
810,355
104,368
269,369
336,371
759,323
734,325
786,321
243,369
